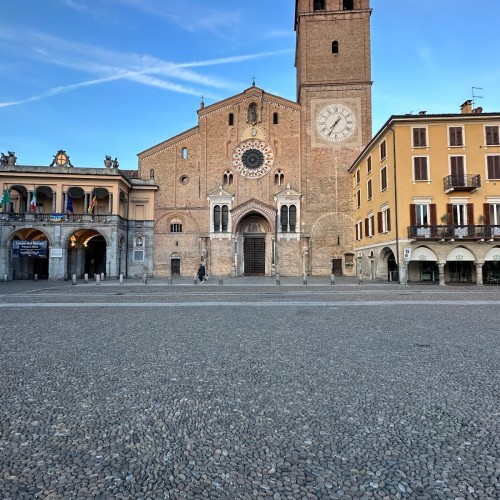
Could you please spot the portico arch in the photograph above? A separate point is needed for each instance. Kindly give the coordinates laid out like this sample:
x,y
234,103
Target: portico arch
x,y
86,250
28,251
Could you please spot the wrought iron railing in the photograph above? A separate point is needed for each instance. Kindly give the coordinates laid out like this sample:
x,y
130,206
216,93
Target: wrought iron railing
x,y
470,232
464,182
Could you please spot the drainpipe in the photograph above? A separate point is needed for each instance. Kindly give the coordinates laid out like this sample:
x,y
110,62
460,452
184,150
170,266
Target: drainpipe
x,y
396,216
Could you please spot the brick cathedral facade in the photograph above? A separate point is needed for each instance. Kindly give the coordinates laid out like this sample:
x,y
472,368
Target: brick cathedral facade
x,y
261,185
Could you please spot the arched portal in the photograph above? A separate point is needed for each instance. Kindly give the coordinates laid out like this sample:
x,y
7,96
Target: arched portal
x,y
86,253
29,251
254,253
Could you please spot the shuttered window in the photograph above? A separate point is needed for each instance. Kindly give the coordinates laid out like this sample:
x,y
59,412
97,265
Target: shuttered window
x,y
456,136
419,137
493,167
420,170
492,136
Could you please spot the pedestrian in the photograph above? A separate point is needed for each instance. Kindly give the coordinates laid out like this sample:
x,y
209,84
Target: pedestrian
x,y
201,273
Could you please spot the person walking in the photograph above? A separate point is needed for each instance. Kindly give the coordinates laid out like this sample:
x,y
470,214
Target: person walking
x,y
201,273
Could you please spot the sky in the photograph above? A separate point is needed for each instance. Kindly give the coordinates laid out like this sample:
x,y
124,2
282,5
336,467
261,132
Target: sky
x,y
116,77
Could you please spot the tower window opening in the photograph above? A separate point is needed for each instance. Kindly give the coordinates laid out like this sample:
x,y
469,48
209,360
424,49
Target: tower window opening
x,y
184,153
348,4
335,47
319,5
275,118
231,119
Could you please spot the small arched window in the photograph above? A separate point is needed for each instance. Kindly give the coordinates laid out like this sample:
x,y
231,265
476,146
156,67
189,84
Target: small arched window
x,y
227,178
279,178
275,118
185,153
252,113
231,119
335,47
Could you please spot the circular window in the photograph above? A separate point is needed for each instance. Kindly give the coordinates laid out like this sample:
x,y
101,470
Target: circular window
x,y
253,158
184,179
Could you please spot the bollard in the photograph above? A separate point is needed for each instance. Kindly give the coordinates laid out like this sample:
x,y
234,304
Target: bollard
x,y
97,280
304,279
195,279
73,279
221,281
360,279
169,279
66,277
35,277
5,277
278,279
145,279
85,278
102,276
121,279
95,277
332,279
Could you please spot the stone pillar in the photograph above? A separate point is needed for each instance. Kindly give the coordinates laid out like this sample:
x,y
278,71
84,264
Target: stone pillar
x,y
479,274
85,203
110,203
441,274
54,202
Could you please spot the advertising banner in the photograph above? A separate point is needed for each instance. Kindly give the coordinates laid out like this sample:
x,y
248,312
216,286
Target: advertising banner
x,y
37,249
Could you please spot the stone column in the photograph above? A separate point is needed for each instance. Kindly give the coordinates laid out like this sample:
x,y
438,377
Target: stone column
x,y
479,274
85,203
54,202
110,203
441,274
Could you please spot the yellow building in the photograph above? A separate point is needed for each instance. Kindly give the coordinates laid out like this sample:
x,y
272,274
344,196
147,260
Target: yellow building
x,y
426,193
60,220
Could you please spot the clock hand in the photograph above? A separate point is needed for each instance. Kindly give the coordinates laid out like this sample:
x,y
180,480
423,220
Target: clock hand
x,y
333,126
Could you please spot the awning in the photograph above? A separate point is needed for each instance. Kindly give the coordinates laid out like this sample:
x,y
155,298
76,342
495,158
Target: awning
x,y
423,253
460,254
493,255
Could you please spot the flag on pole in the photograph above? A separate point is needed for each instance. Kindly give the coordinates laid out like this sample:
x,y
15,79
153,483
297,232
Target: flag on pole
x,y
91,206
5,198
33,202
69,203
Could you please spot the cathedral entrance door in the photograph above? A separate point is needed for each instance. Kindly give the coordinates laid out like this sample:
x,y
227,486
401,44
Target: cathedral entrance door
x,y
254,257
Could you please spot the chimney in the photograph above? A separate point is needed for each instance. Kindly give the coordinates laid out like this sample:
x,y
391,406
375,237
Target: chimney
x,y
466,107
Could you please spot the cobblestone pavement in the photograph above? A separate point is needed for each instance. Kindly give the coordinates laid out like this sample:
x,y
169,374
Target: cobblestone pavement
x,y
249,390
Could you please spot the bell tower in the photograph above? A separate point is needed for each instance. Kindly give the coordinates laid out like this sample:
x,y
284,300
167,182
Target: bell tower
x,y
333,62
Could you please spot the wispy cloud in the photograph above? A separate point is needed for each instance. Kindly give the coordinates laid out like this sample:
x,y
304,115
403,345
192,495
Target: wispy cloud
x,y
108,66
189,15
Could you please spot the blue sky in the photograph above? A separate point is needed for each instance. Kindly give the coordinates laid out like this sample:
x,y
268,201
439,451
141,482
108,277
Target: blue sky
x,y
115,77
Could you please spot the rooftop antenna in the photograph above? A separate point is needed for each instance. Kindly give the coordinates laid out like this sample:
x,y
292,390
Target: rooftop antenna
x,y
475,96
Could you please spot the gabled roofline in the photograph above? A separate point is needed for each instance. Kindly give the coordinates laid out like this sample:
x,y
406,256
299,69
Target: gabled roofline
x,y
169,142
243,95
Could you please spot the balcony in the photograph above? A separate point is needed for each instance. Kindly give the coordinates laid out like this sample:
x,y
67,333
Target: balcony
x,y
72,219
454,233
470,182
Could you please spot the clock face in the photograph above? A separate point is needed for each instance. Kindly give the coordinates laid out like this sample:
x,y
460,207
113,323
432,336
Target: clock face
x,y
336,122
